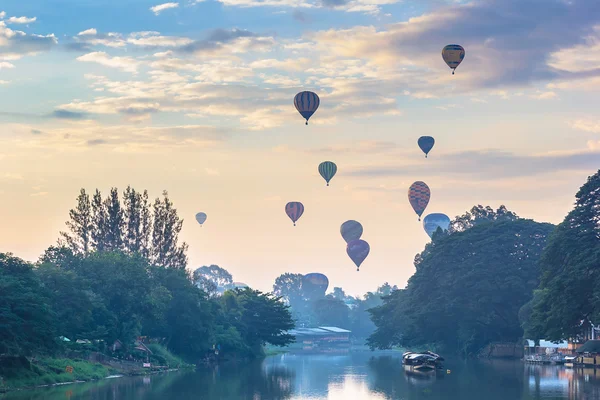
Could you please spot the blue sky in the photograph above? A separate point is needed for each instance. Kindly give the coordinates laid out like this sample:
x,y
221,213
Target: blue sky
x,y
196,98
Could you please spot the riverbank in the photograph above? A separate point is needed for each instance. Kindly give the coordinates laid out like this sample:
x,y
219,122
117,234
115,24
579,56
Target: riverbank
x,y
24,373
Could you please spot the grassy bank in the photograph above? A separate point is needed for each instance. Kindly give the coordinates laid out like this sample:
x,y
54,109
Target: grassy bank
x,y
20,372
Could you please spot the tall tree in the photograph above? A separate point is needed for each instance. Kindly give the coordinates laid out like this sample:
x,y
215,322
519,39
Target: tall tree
x,y
213,279
165,234
114,222
80,225
99,221
467,289
479,214
132,214
570,287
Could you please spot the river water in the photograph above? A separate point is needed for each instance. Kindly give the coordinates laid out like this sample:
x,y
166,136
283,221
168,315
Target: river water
x,y
357,375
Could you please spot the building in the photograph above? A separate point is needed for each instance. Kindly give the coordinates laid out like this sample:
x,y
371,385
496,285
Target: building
x,y
323,337
547,347
589,354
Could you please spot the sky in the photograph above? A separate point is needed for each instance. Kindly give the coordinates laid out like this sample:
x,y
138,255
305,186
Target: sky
x,y
196,98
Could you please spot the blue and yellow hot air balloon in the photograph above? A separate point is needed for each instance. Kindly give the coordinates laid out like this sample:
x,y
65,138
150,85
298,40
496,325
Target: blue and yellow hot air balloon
x,y
432,222
453,54
327,169
306,103
426,144
418,196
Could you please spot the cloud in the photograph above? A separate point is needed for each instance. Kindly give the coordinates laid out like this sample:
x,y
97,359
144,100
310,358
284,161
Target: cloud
x,y
88,32
586,125
211,171
65,114
300,16
16,44
36,132
2,14
544,96
230,41
485,164
96,142
154,39
21,20
6,65
127,64
38,194
162,7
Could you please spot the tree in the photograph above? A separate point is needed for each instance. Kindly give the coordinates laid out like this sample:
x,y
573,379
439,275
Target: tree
x,y
338,293
479,214
136,216
114,221
99,221
26,320
80,225
260,318
467,289
330,311
361,324
570,285
213,279
165,235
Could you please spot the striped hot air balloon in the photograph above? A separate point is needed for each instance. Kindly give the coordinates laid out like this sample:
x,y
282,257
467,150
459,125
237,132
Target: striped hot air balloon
x,y
358,250
306,103
453,54
294,210
418,196
327,169
426,144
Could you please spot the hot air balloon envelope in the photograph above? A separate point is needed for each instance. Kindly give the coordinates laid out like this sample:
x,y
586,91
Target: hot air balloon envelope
x,y
327,170
315,282
358,250
426,144
434,221
294,210
306,103
351,230
201,218
418,196
453,54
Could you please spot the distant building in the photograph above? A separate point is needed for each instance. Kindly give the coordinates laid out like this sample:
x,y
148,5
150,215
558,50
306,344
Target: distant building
x,y
547,347
323,337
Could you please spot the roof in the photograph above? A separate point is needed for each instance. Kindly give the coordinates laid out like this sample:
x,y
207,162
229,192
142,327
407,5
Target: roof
x,y
334,329
591,346
320,331
548,344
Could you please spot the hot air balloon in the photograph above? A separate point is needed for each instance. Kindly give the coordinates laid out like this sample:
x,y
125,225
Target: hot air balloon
x,y
426,144
418,196
327,169
306,103
294,210
358,250
434,221
351,230
201,218
453,54
314,285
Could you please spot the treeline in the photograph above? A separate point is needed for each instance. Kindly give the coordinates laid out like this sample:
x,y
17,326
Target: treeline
x,y
309,305
497,277
119,273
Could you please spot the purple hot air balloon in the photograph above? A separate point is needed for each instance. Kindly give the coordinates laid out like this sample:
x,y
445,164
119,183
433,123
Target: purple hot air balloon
x,y
358,250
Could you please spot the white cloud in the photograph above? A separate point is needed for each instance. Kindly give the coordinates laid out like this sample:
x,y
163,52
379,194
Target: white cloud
x,y
125,63
21,20
544,96
162,7
586,125
4,82
91,31
2,14
6,65
153,39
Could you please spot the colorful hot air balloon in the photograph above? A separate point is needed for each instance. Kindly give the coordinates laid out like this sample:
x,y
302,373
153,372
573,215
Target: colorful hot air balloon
x,y
418,196
327,169
294,210
306,103
314,285
453,54
351,230
426,144
358,250
434,221
201,218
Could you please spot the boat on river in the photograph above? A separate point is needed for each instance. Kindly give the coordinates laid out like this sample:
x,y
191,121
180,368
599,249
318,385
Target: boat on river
x,y
422,362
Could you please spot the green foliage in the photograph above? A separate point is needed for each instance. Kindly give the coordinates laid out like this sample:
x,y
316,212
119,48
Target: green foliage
x,y
131,226
330,311
213,279
570,285
26,320
163,356
467,289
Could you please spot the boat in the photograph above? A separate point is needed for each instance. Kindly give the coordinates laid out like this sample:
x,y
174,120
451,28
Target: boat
x,y
422,362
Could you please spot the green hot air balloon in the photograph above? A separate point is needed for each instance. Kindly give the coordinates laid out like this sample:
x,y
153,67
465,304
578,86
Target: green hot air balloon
x,y
327,169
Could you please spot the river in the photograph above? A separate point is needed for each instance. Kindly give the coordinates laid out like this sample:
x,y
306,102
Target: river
x,y
358,375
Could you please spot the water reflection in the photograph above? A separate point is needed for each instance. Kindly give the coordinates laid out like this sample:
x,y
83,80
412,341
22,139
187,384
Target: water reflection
x,y
359,376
